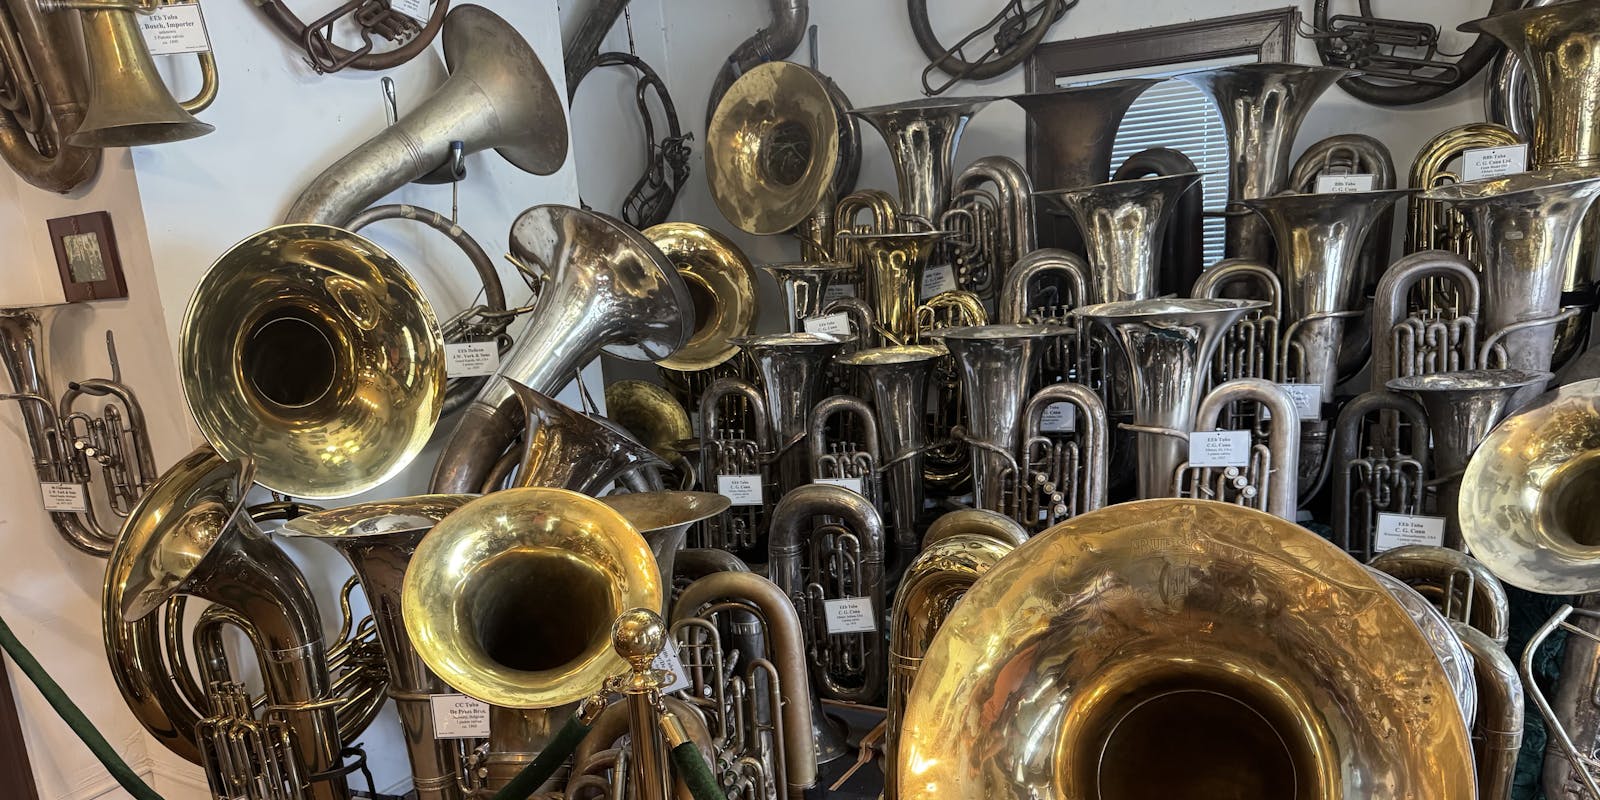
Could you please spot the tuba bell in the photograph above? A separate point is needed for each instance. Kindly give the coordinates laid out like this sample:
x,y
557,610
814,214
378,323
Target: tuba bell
x,y
1172,647
605,288
721,285
497,96
922,136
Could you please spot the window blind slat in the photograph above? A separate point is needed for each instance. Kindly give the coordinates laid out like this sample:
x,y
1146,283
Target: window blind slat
x,y
1176,115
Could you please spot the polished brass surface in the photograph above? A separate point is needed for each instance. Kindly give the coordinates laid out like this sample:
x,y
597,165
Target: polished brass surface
x,y
974,521
312,351
191,535
511,598
891,278
128,104
772,148
1525,494
497,96
722,286
1556,42
1432,225
650,413
1180,648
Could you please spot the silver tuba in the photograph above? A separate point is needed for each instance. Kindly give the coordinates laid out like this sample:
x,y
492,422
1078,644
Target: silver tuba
x,y
1269,480
1061,468
1122,224
791,367
922,136
728,450
991,219
73,446
995,363
604,288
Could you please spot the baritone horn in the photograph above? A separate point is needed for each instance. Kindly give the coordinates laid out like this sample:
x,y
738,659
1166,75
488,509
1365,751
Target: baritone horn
x,y
1141,619
497,96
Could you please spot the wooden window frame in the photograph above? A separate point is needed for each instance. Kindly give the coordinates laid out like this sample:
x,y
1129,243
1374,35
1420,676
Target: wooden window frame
x,y
1267,35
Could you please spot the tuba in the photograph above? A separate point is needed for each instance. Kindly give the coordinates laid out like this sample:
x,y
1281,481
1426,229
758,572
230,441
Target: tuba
x,y
36,124
1431,223
805,285
991,219
497,96
1062,471
721,286
564,449
1269,481
196,509
1262,107
1089,654
664,519
312,351
995,362
736,452
604,288
891,267
378,538
1122,224
922,136
791,367
510,600
73,447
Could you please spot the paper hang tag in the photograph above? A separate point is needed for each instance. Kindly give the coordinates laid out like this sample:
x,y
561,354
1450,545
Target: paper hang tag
x,y
1059,418
175,29
457,716
1396,530
836,291
68,497
469,359
668,661
1493,162
829,324
1307,398
1343,184
1219,449
850,615
853,484
936,279
741,490
415,9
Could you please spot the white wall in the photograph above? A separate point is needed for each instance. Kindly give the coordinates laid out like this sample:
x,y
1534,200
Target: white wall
x,y
278,125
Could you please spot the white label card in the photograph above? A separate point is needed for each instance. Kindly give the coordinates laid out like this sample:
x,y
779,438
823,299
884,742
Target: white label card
x,y
175,29
1307,399
1219,449
415,9
853,484
741,490
829,324
668,661
1343,184
1059,418
837,291
70,497
457,716
467,359
1492,162
1395,530
937,278
850,615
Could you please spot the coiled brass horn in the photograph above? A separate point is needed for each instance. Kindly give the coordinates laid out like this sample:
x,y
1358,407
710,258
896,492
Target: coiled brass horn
x,y
497,96
311,350
1181,648
39,114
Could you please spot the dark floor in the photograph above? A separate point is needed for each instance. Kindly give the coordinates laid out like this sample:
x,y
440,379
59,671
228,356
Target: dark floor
x,y
867,782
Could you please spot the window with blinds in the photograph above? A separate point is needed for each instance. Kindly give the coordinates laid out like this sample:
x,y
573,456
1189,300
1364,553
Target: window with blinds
x,y
1176,115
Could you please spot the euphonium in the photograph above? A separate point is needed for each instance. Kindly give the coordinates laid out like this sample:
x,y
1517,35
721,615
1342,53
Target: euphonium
x,y
72,446
931,587
784,656
510,600
899,380
378,538
827,544
1270,482
791,367
1196,636
1432,225
497,96
564,449
46,110
891,278
922,136
1168,346
1462,408
995,362
1122,223
721,285
312,351
1070,134
197,508
1526,226
606,288
1262,107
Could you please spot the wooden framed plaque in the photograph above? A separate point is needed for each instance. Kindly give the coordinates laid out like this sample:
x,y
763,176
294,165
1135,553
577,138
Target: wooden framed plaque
x,y
86,255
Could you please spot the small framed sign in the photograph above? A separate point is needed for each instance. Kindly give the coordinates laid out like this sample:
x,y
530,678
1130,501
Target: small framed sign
x,y
86,255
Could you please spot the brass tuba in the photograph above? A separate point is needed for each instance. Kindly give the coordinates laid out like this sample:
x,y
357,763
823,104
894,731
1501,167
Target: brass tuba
x,y
1173,647
721,285
511,599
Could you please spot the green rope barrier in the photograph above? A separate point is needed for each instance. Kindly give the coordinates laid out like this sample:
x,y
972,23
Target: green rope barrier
x,y
696,774
70,714
553,756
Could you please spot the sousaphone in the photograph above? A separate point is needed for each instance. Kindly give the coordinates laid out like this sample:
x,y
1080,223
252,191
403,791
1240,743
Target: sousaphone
x,y
1181,648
